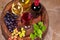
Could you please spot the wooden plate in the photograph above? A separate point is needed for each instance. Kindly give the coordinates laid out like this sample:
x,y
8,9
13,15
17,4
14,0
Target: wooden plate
x,y
6,32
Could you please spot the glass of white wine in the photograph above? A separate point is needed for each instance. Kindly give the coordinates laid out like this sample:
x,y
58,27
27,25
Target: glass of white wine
x,y
26,4
17,8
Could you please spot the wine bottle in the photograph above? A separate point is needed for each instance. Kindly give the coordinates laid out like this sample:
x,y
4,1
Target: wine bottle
x,y
36,5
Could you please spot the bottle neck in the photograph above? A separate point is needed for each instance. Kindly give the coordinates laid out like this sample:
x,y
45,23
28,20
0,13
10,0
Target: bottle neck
x,y
36,2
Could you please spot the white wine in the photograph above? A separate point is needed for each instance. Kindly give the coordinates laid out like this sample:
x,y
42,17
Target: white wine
x,y
26,4
17,8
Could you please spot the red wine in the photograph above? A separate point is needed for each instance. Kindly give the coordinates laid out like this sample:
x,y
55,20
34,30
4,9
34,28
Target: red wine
x,y
26,17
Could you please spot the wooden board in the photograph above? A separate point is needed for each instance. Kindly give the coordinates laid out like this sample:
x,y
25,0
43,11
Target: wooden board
x,y
6,32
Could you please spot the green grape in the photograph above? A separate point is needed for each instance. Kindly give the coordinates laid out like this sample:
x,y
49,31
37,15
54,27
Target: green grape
x,y
35,26
38,30
43,28
32,36
40,23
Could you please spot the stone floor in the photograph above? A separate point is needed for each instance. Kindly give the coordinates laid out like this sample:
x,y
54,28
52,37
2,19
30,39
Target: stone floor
x,y
53,9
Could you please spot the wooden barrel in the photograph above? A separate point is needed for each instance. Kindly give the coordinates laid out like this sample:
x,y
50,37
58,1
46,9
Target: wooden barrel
x,y
44,18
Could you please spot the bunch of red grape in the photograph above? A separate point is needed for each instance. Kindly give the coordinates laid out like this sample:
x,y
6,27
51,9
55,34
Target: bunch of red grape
x,y
10,21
